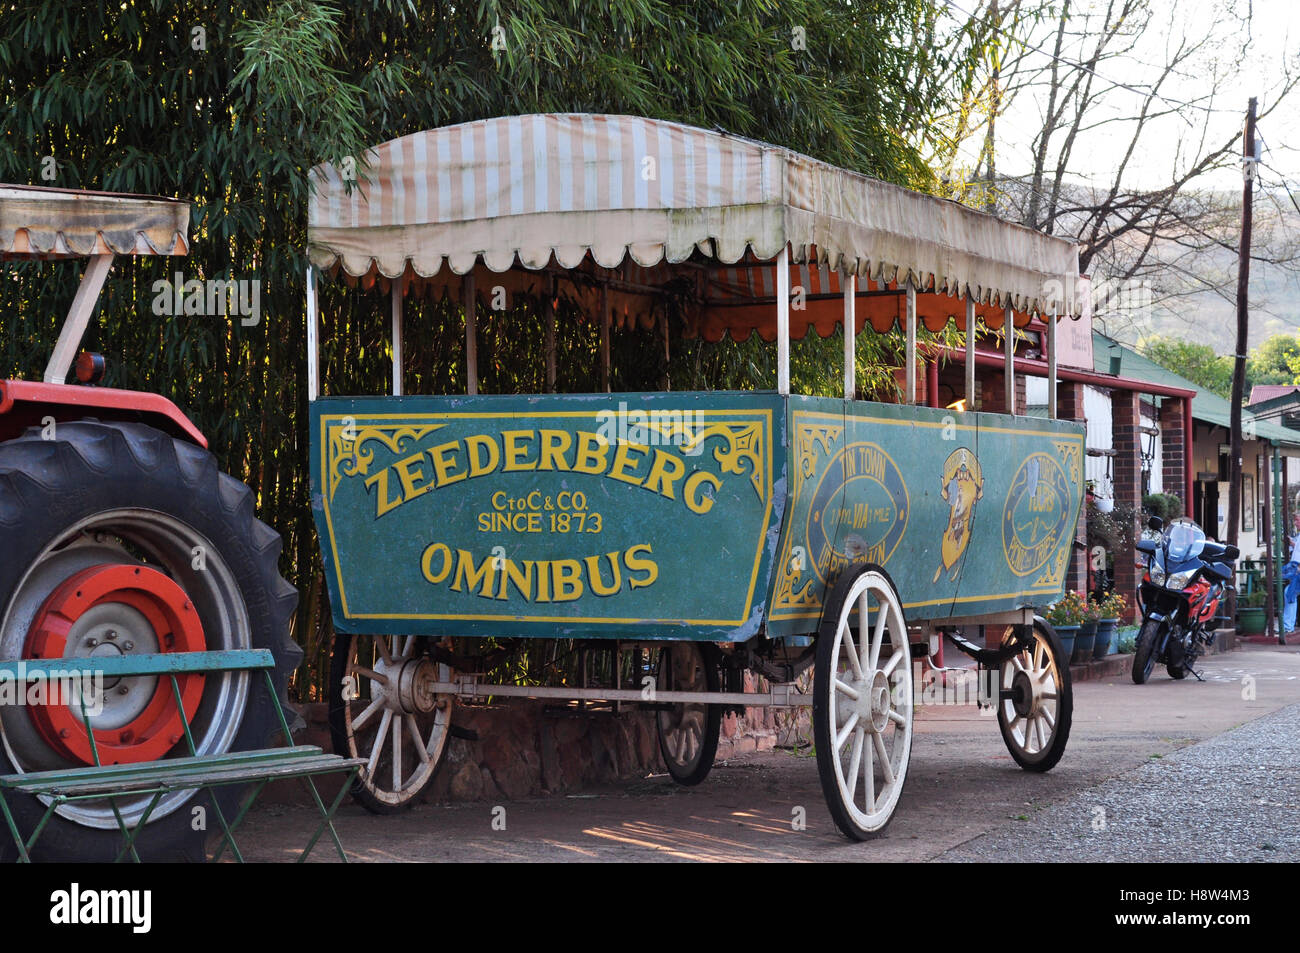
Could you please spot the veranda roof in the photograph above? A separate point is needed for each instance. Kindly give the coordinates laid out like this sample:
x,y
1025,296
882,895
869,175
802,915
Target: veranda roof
x,y
38,222
627,211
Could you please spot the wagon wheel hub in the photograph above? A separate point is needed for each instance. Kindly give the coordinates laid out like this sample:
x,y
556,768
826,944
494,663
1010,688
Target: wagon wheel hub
x,y
1025,691
415,686
406,685
111,611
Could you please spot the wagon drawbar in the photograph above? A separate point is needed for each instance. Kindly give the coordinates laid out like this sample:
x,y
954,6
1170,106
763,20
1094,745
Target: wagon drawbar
x,y
692,535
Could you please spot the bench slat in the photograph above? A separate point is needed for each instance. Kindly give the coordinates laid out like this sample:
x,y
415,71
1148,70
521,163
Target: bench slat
x,y
159,663
180,781
42,779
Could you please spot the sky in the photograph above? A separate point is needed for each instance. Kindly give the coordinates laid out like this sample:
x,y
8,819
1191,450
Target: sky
x,y
1273,38
1271,44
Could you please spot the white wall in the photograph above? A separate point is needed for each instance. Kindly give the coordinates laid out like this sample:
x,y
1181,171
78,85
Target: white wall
x,y
1158,460
1096,410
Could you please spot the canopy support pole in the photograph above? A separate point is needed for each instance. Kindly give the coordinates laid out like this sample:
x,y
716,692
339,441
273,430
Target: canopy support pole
x,y
1009,347
74,325
850,338
910,349
471,336
666,383
313,338
970,353
783,321
550,339
1051,363
397,336
1280,556
604,338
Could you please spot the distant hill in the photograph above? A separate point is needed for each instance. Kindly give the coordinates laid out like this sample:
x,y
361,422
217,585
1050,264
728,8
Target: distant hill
x,y
1192,293
1209,315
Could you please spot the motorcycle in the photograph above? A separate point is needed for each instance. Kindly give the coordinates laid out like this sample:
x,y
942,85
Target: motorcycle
x,y
1185,578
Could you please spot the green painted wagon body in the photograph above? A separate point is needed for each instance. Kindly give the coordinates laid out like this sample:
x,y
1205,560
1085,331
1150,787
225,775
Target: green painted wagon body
x,y
703,516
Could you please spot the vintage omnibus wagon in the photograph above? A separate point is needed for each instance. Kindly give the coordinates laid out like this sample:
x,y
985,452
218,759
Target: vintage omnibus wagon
x,y
699,534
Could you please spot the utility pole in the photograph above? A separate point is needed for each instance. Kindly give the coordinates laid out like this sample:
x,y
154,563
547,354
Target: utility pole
x,y
1243,282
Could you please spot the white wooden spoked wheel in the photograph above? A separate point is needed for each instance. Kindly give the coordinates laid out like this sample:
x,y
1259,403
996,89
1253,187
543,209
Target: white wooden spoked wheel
x,y
1035,701
862,703
383,709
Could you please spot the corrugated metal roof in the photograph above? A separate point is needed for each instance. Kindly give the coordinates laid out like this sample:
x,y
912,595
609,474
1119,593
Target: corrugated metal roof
x,y
1207,406
1262,392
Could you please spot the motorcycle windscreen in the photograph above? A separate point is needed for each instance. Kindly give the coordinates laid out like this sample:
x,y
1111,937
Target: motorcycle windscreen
x,y
1186,541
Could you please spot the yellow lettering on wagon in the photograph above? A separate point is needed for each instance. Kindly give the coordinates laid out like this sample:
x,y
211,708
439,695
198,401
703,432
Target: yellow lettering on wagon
x,y
426,562
555,444
472,446
516,449
696,501
548,580
442,466
521,580
591,454
623,462
511,451
648,566
544,581
664,474
406,478
596,581
382,502
474,577
568,580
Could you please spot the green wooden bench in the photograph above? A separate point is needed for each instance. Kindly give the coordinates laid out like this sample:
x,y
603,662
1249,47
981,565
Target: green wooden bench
x,y
157,778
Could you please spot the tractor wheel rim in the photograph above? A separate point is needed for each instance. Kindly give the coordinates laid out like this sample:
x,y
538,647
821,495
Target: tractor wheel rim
x,y
134,536
115,610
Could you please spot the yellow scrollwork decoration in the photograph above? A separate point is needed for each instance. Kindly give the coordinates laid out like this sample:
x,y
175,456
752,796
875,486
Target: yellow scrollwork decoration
x,y
348,455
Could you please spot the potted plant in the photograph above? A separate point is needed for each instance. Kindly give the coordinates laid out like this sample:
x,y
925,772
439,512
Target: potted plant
x,y
1111,609
1250,613
1102,504
1065,616
1087,634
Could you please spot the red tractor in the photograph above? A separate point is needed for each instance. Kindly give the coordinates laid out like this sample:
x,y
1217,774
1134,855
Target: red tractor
x,y
119,535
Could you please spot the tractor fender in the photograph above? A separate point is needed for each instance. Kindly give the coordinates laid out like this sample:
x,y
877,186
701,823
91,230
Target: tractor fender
x,y
26,404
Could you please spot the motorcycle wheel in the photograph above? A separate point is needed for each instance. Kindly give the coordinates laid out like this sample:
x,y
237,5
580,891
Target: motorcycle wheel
x,y
1144,655
1182,666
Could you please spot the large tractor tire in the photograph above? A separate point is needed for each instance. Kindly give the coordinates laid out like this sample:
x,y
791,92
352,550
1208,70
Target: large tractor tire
x,y
175,560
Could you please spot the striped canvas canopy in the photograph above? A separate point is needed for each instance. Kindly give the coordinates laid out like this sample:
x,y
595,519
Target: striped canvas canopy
x,y
623,212
39,222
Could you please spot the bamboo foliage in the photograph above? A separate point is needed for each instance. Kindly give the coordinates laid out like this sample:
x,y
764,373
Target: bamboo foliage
x,y
228,105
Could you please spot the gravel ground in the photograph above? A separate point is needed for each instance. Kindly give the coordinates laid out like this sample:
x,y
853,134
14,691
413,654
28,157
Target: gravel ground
x,y
1235,797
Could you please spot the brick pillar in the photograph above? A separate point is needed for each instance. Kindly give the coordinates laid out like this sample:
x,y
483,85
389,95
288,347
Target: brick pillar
x,y
1022,398
1174,447
993,392
1069,406
1127,439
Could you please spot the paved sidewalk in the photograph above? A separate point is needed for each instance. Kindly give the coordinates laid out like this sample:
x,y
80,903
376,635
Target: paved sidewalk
x,y
962,785
1235,797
